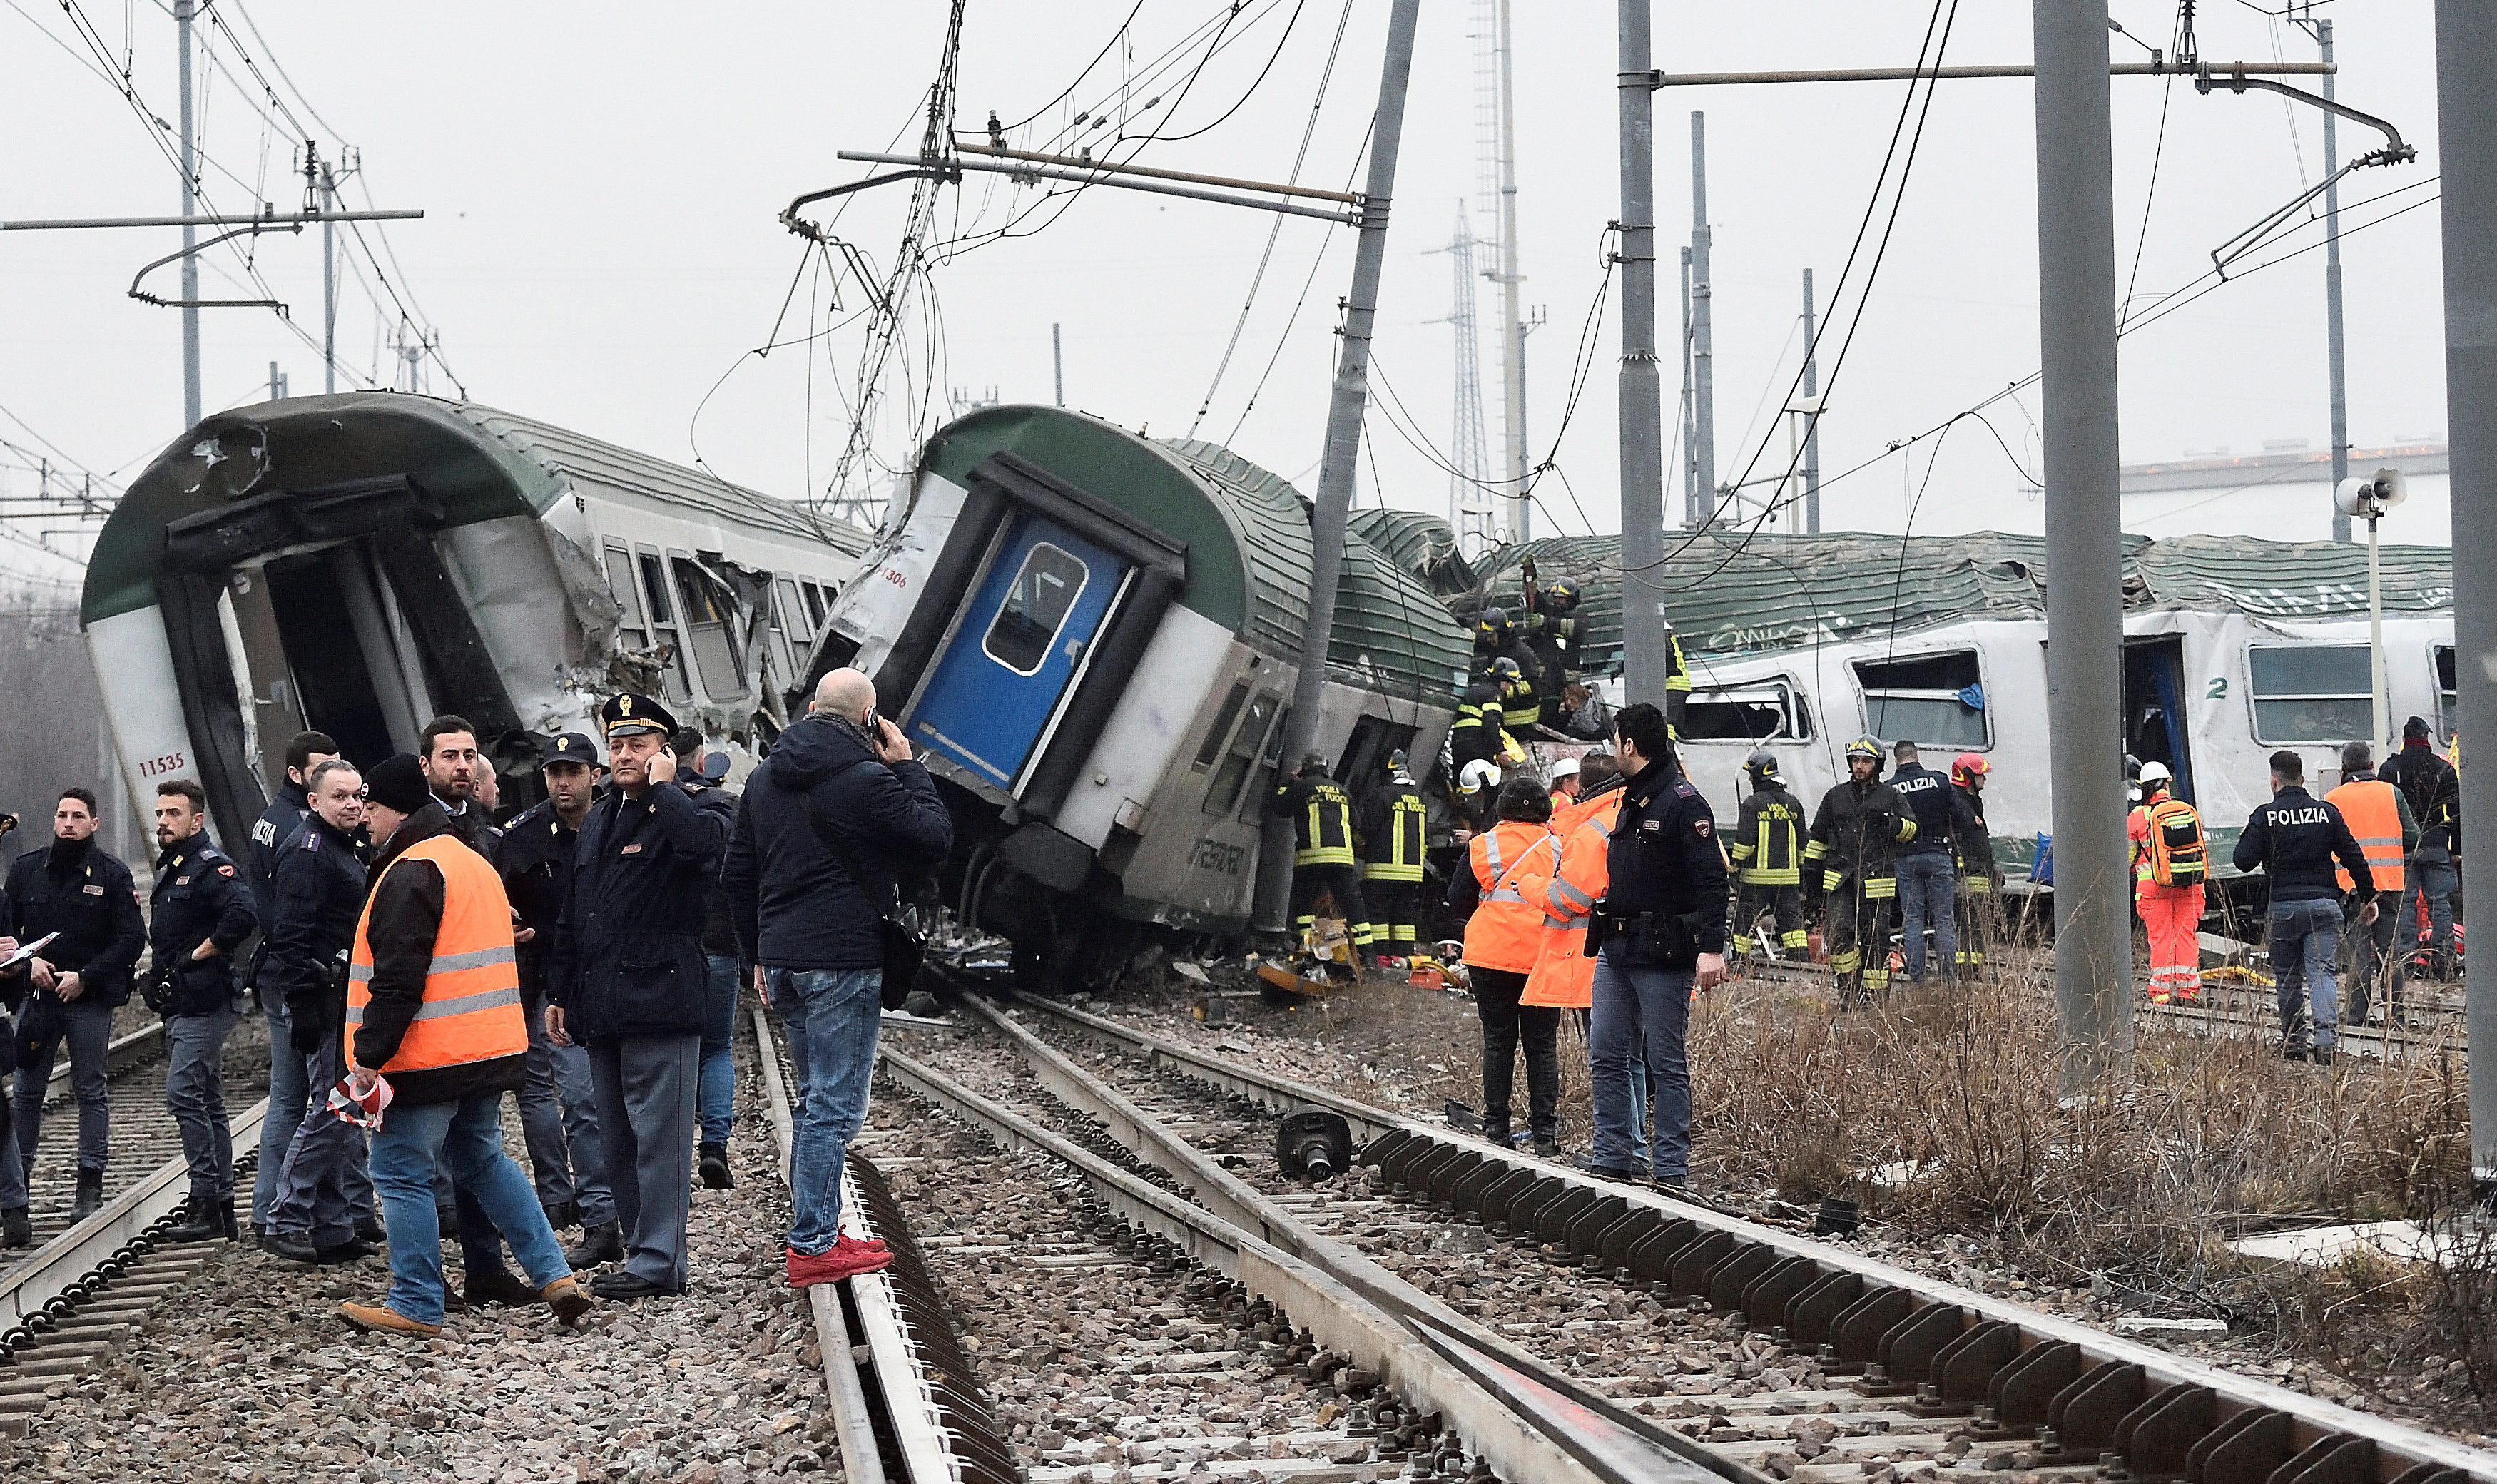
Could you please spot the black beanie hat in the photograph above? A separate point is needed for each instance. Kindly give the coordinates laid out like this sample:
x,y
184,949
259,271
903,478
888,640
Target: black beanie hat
x,y
398,782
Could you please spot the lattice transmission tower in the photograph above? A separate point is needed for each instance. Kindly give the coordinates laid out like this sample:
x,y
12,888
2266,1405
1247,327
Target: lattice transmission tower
x,y
1472,509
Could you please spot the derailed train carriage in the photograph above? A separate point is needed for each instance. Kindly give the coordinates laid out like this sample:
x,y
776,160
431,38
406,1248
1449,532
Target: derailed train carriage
x,y
1091,637
359,564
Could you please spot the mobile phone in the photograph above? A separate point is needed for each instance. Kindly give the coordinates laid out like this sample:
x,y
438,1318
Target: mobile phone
x,y
874,722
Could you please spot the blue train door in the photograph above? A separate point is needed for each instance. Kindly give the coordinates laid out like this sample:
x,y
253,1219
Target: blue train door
x,y
1015,652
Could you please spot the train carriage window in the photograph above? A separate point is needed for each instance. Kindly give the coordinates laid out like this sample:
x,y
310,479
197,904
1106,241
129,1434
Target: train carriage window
x,y
664,626
2309,693
2449,701
1037,602
793,610
632,631
1221,733
1932,700
709,634
815,608
1759,711
1223,790
1270,756
780,653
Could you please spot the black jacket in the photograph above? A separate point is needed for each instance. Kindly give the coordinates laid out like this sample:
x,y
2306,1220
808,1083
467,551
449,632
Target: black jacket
x,y
1976,843
2293,839
271,833
1664,857
200,894
1940,808
628,956
408,900
1854,833
1767,847
89,899
320,891
534,859
798,903
719,920
2434,792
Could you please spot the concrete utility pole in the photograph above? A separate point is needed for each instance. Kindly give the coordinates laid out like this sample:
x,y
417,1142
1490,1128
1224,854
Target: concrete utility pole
x,y
1058,359
1690,447
329,280
1512,322
2084,548
1644,635
2466,121
2332,337
1342,453
182,13
1704,333
1812,422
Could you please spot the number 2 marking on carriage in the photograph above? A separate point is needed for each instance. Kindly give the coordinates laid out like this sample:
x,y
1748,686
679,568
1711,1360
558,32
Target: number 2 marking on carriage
x,y
2219,690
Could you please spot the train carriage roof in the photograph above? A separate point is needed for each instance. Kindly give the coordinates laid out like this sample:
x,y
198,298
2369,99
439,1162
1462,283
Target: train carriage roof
x,y
1729,594
478,461
1249,544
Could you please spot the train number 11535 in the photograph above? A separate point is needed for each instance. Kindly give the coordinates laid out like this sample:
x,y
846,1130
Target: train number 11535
x,y
158,767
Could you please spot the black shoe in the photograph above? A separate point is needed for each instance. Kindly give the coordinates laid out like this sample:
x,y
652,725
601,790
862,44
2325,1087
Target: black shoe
x,y
603,1243
350,1250
368,1229
231,1223
625,1286
15,1229
293,1246
715,1167
2293,1051
1547,1149
90,1195
2320,1056
1497,1133
447,1217
497,1285
563,1215
1616,1172
200,1222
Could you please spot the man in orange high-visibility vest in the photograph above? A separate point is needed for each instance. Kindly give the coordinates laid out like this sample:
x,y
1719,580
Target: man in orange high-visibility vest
x,y
2387,831
433,1008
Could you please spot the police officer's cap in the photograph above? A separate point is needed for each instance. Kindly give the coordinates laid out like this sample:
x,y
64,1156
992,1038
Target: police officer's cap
x,y
569,747
632,715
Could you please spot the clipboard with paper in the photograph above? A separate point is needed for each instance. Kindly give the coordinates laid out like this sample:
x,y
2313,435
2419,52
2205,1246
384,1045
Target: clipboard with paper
x,y
26,951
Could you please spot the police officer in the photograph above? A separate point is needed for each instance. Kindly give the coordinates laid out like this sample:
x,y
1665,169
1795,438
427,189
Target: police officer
x,y
1659,930
287,810
627,980
200,912
1927,864
1391,840
1767,852
1848,861
559,1102
1322,816
320,891
2294,840
701,771
73,888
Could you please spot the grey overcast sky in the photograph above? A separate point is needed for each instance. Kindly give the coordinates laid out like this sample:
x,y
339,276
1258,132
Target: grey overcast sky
x,y
600,247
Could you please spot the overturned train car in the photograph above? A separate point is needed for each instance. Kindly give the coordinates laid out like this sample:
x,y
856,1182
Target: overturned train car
x,y
359,564
1091,637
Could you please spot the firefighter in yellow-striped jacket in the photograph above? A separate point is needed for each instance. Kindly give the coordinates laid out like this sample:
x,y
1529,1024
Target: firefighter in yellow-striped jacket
x,y
1766,853
1391,836
1323,864
1848,861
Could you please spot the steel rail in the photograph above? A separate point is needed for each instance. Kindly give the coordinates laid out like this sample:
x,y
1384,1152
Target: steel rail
x,y
852,1427
2316,1426
81,1263
1591,1450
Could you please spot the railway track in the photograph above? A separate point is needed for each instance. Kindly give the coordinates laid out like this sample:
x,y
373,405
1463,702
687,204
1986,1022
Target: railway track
x,y
66,1302
1613,1315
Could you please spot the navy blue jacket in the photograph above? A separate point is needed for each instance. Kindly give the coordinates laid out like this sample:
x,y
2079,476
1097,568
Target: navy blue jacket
x,y
271,833
800,903
1664,858
1941,809
2294,839
534,859
92,902
320,893
200,894
628,956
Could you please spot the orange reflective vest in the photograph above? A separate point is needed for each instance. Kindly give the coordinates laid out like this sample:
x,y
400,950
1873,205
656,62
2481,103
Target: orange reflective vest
x,y
2370,808
1564,975
1501,933
472,991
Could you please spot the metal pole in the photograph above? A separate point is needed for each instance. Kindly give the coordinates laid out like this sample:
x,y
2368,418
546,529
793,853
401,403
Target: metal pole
x,y
182,11
2332,337
2085,602
1812,423
1058,359
1343,450
1690,446
1644,632
329,281
2466,118
1512,320
1704,333
2375,640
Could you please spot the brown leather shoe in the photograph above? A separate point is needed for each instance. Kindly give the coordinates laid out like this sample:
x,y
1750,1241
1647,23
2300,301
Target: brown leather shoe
x,y
384,1318
565,1297
497,1285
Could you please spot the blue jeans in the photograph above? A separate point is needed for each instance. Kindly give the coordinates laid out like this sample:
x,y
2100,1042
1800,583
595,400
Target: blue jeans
x,y
469,1136
830,1015
87,1032
1636,1005
2438,881
1927,889
718,1092
2304,937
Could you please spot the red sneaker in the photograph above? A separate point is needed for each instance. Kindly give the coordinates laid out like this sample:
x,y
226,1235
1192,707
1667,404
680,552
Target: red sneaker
x,y
831,1266
847,1243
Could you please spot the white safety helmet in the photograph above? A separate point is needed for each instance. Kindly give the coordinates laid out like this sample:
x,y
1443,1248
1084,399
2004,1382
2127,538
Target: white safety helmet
x,y
2155,772
1567,767
1478,775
